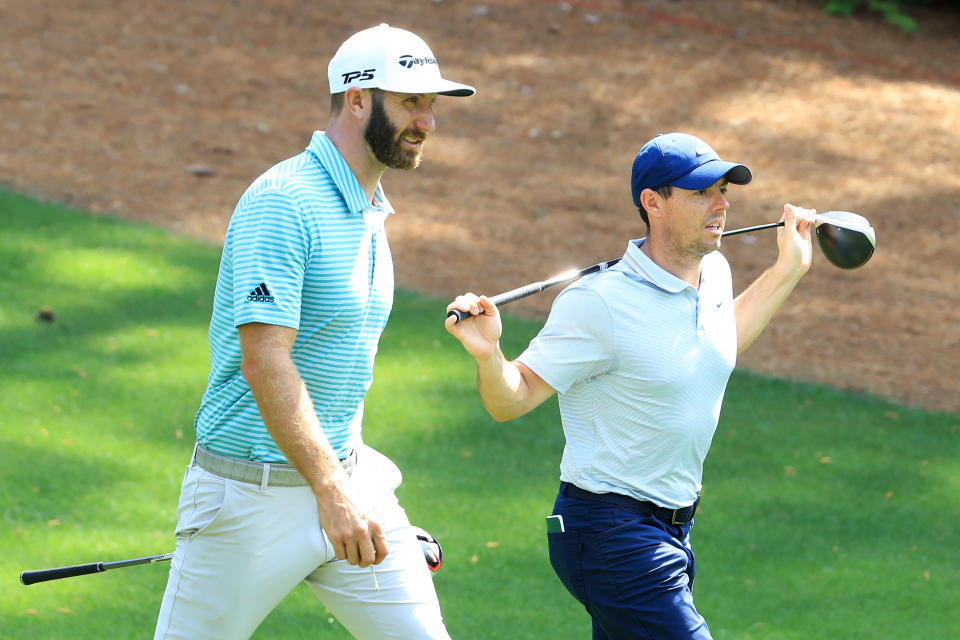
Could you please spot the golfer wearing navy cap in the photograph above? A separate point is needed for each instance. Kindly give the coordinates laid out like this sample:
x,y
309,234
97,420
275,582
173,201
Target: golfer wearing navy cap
x,y
640,355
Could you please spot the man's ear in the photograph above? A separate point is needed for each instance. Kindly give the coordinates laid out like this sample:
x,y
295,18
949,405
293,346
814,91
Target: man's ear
x,y
357,102
652,203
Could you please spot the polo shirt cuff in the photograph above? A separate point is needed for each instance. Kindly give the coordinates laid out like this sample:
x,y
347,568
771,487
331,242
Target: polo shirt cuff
x,y
266,318
523,358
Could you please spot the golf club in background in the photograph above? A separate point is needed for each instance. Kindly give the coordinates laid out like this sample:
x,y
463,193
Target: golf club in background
x,y
432,553
43,575
845,239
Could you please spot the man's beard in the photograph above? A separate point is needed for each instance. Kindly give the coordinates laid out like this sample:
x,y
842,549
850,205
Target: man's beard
x,y
381,136
693,248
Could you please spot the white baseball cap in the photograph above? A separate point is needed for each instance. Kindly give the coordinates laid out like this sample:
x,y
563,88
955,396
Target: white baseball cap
x,y
384,57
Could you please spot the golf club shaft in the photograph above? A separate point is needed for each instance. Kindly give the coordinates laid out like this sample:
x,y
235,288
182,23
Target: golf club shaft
x,y
530,289
536,287
734,232
43,575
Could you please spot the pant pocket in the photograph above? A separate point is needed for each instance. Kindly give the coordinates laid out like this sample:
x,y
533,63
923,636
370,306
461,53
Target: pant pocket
x,y
374,479
201,501
565,557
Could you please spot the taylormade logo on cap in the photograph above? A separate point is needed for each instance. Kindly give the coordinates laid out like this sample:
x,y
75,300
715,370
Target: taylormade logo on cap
x,y
408,61
391,59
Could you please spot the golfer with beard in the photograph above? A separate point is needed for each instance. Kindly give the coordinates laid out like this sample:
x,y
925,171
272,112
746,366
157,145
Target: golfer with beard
x,y
281,488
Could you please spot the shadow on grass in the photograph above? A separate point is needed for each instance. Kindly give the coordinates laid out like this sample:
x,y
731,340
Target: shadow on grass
x,y
130,308
147,277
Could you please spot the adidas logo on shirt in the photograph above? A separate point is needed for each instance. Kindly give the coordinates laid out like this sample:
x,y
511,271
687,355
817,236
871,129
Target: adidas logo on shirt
x,y
260,294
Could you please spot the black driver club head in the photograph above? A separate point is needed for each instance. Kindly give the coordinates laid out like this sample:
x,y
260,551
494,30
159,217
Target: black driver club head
x,y
846,239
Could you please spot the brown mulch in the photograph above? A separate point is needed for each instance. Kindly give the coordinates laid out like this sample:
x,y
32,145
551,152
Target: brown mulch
x,y
165,112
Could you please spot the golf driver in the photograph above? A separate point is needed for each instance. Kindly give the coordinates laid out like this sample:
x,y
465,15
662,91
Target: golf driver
x,y
42,575
432,554
845,239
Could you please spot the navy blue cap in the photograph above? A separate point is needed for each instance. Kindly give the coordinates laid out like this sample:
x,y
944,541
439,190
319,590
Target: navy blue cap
x,y
682,160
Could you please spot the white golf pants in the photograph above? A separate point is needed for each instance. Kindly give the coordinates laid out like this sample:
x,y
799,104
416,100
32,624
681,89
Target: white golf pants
x,y
241,548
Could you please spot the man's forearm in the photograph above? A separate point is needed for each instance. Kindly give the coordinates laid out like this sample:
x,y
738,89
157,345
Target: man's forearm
x,y
509,389
289,416
756,306
499,383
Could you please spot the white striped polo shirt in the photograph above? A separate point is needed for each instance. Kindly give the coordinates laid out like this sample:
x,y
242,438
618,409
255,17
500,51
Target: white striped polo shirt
x,y
304,249
640,360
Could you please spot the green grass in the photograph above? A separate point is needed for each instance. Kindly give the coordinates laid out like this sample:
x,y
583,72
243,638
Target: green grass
x,y
825,514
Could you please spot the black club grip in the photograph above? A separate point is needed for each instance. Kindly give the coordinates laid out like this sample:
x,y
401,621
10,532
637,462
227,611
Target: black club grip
x,y
32,577
459,315
504,298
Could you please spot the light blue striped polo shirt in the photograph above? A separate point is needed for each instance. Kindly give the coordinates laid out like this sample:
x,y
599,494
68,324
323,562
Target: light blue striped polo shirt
x,y
304,249
640,360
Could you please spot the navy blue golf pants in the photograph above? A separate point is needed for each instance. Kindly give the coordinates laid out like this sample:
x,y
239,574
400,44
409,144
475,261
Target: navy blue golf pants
x,y
631,571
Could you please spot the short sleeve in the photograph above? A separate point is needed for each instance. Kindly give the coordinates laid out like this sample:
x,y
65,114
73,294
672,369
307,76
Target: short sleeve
x,y
269,245
576,343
